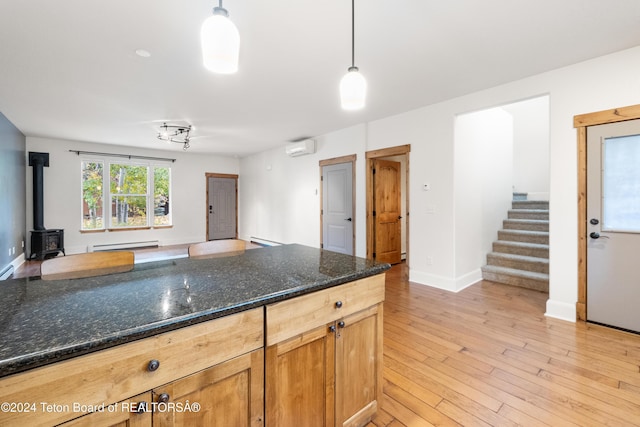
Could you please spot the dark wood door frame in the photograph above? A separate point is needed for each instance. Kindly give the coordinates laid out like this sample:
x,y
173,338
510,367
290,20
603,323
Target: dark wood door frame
x,y
206,198
375,154
582,123
334,161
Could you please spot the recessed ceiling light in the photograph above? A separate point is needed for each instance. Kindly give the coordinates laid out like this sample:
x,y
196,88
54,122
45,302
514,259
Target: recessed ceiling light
x,y
143,53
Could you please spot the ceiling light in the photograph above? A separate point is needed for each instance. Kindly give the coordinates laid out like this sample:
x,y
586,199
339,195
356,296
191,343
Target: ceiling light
x,y
143,53
175,133
220,42
353,86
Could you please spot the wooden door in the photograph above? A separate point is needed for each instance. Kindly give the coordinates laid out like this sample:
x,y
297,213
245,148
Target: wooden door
x,y
299,380
387,211
228,394
358,366
222,205
134,412
337,207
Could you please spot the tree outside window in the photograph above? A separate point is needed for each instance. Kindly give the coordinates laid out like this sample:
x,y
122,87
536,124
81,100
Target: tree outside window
x,y
138,195
92,177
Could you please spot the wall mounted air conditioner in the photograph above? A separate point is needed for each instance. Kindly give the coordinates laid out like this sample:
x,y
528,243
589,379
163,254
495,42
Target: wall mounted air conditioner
x,y
307,146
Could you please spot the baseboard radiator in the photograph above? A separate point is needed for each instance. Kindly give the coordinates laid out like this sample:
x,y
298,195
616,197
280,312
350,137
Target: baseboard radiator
x,y
263,242
124,246
6,272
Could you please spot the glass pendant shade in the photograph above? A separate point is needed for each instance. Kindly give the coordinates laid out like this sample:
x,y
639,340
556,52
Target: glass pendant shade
x,y
220,44
353,90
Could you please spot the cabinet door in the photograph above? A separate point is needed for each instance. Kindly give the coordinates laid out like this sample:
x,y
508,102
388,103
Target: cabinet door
x,y
228,394
358,366
134,412
299,380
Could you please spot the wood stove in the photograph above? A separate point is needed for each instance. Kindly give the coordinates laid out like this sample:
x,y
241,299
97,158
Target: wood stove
x,y
44,243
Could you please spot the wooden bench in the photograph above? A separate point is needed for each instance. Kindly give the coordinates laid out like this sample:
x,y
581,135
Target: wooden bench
x,y
86,265
217,248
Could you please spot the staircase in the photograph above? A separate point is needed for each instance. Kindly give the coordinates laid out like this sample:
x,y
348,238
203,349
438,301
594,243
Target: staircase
x,y
520,256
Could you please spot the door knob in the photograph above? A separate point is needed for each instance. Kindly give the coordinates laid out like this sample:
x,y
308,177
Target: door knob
x,y
594,221
595,235
348,219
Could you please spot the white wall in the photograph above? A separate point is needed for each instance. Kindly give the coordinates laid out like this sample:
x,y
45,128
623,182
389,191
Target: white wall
x,y
62,193
607,82
483,174
279,195
531,147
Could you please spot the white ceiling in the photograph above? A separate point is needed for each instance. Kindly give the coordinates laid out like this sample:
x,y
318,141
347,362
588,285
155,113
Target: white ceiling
x,y
68,68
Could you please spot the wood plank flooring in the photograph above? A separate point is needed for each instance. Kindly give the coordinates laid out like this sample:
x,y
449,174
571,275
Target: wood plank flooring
x,y
487,356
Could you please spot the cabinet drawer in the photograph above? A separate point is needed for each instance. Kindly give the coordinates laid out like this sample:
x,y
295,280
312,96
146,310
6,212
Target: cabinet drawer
x,y
292,317
114,374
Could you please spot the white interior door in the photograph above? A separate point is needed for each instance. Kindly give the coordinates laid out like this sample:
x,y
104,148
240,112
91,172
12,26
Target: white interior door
x,y
337,208
613,216
222,208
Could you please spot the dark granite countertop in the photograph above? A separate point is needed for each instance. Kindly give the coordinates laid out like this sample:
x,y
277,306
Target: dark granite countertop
x,y
42,322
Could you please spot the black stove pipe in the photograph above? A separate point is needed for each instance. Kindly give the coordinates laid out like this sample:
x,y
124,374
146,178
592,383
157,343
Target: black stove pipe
x,y
39,161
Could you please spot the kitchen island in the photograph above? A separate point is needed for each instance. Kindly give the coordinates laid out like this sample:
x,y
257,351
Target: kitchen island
x,y
203,316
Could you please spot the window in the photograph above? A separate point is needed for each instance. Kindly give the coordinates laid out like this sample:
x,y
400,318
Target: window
x,y
621,184
137,195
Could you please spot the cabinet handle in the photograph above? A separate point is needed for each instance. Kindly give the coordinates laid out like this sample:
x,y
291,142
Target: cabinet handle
x,y
163,398
332,328
341,324
141,407
338,304
153,365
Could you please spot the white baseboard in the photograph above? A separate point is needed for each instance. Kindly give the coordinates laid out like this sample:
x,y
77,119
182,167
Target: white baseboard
x,y
13,266
422,278
468,279
447,284
561,310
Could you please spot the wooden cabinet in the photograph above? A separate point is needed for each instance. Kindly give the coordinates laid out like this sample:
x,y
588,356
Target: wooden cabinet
x,y
321,366
102,379
229,394
324,356
128,413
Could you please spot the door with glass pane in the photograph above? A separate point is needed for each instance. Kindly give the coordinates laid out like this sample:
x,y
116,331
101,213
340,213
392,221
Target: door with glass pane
x,y
613,229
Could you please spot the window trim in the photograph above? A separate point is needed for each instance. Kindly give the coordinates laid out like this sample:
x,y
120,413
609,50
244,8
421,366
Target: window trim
x,y
151,165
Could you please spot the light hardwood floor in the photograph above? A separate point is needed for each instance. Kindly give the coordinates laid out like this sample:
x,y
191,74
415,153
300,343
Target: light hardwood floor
x,y
487,356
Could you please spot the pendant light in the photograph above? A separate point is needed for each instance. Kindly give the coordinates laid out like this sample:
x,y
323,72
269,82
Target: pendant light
x,y
353,87
220,42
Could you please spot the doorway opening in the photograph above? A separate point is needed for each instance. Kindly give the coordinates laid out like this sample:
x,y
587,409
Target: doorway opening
x,y
501,183
222,206
387,204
